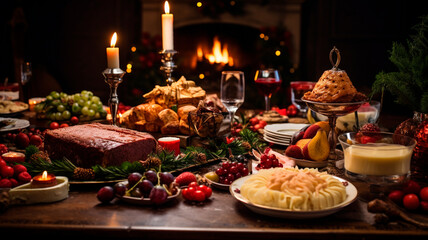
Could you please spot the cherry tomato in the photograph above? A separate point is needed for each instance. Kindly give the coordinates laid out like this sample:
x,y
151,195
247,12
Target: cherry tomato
x,y
396,196
411,201
54,125
185,193
193,184
412,187
199,196
74,120
190,193
424,194
63,125
206,190
263,123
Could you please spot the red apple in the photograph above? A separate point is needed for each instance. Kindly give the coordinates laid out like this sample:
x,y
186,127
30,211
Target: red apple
x,y
22,140
36,140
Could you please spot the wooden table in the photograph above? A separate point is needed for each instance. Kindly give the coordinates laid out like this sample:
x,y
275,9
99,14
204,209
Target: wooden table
x,y
81,215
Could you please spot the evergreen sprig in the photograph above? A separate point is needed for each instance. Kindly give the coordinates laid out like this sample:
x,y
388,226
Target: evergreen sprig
x,y
410,83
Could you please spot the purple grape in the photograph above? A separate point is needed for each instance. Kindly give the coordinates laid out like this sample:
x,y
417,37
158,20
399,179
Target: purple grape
x,y
158,195
133,178
151,176
105,194
145,187
120,189
166,178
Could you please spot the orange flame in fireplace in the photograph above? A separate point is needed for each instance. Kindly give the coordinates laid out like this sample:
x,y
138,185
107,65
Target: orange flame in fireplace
x,y
218,55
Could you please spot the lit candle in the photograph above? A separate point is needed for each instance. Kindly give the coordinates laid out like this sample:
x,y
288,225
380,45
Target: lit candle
x,y
32,102
44,180
113,53
167,29
170,143
13,157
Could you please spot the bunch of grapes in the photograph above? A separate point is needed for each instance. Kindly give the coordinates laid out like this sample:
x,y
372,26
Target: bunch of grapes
x,y
61,106
268,161
230,171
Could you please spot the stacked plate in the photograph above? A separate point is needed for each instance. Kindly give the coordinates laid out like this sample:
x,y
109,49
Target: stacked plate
x,y
281,133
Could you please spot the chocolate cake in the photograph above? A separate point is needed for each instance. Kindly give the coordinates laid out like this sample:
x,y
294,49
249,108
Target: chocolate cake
x,y
91,144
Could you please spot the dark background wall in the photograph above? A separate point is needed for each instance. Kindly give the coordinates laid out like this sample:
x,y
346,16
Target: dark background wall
x,y
66,40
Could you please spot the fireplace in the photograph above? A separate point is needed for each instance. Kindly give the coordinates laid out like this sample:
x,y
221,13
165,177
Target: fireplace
x,y
258,34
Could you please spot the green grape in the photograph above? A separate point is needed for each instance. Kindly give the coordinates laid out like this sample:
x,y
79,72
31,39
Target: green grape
x,y
90,94
58,116
85,97
63,95
81,102
91,112
49,98
60,108
56,102
66,115
83,92
85,110
103,113
39,107
76,97
95,99
55,94
52,116
75,108
88,103
97,115
94,107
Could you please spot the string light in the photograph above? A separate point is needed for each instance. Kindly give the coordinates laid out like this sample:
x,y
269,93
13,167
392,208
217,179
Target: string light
x,y
262,35
266,38
277,53
198,4
133,49
201,76
128,67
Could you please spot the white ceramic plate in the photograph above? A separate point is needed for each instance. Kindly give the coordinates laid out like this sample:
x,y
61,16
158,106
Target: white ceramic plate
x,y
15,124
284,129
283,139
217,185
351,195
267,139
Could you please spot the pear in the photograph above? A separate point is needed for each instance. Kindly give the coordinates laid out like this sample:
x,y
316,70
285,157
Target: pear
x,y
317,148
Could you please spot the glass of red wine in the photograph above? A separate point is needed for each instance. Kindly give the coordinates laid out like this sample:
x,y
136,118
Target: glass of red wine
x,y
268,82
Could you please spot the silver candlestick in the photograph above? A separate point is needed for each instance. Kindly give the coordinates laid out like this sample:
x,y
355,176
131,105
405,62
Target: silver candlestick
x,y
113,76
168,64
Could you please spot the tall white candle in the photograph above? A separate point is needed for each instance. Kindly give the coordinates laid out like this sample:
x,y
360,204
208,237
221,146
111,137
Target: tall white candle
x,y
167,29
113,53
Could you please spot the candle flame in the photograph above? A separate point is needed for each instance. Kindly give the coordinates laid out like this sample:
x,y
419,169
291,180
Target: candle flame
x,y
113,40
44,175
166,7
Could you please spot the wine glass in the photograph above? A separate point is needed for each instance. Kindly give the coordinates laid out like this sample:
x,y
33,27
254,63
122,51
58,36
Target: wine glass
x,y
298,89
26,74
268,82
232,91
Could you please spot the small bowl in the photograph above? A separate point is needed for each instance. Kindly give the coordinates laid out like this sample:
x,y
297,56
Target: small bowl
x,y
386,159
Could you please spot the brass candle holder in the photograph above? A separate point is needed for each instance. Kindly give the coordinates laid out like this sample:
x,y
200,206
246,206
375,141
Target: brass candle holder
x,y
168,64
113,77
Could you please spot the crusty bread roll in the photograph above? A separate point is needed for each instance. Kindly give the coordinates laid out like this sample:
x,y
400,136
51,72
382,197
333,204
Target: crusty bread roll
x,y
183,111
168,115
171,128
151,112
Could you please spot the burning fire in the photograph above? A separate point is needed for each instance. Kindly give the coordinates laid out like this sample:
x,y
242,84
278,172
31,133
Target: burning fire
x,y
218,55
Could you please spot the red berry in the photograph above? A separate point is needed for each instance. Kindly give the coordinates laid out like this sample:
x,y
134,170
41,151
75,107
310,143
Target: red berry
x,y
424,194
254,121
74,120
411,201
6,171
244,171
185,178
233,170
412,187
424,206
54,125
230,177
3,148
225,165
272,157
240,166
2,163
263,123
267,150
268,163
219,171
19,168
36,140
263,158
24,177
275,163
5,183
63,125
13,182
257,127
367,139
396,196
22,140
238,175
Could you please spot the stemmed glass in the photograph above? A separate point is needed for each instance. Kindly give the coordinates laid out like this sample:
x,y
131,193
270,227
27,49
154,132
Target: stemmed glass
x,y
268,82
232,91
26,74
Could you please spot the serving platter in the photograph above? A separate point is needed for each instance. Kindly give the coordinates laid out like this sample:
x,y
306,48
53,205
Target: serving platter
x,y
351,196
13,124
309,163
20,105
